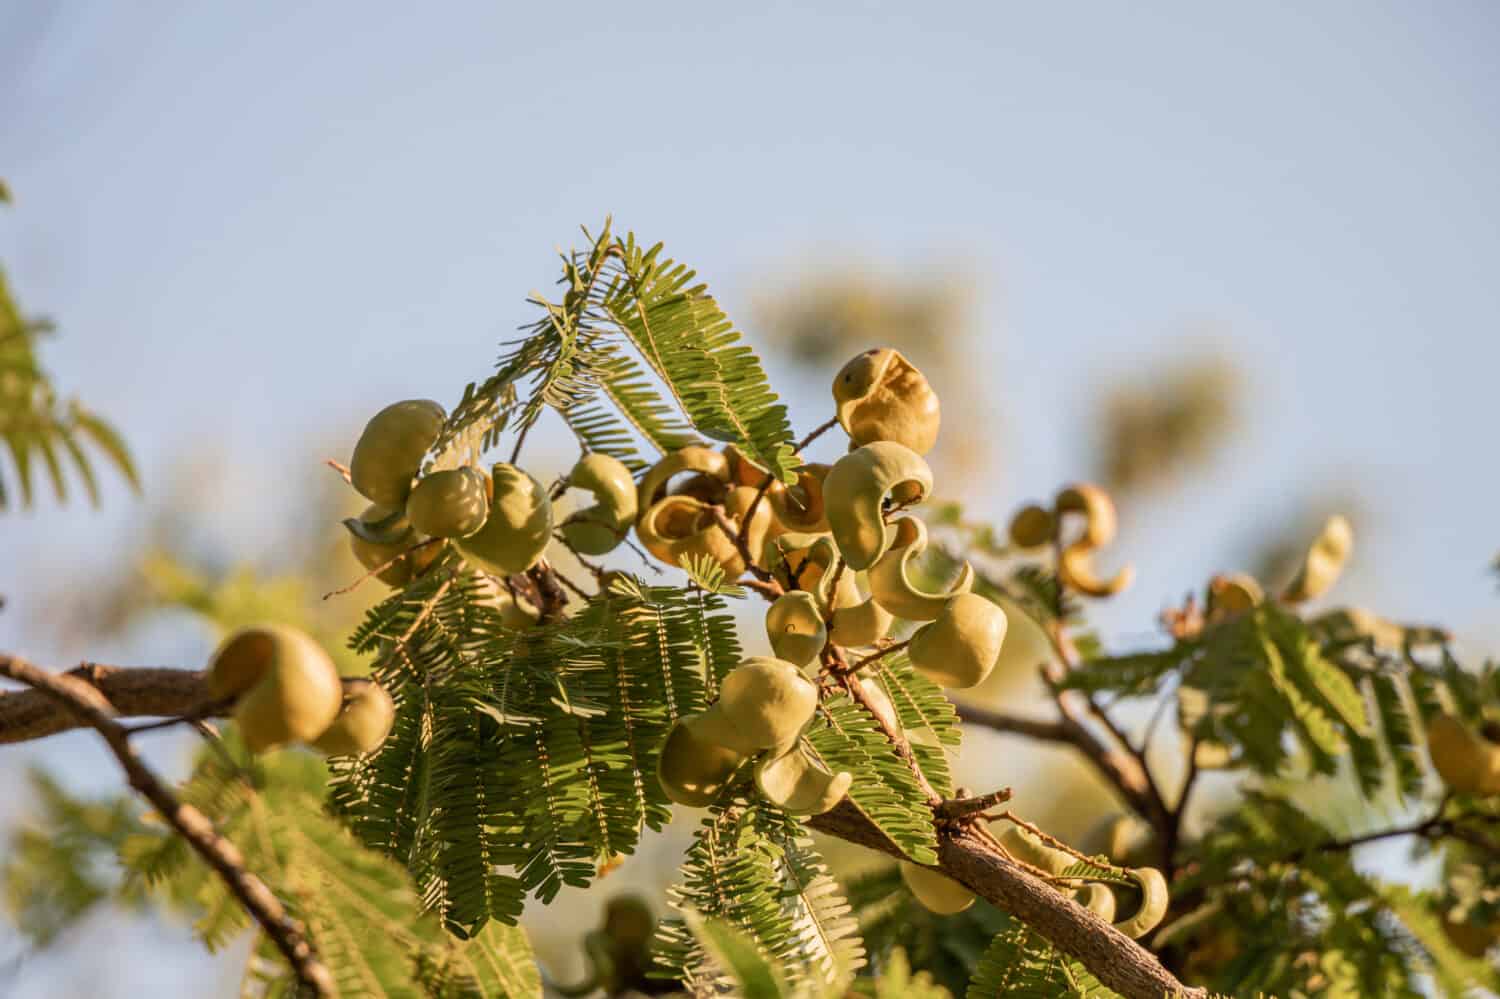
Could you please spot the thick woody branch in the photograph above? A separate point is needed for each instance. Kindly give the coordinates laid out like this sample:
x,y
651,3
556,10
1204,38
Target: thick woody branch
x,y
969,858
77,697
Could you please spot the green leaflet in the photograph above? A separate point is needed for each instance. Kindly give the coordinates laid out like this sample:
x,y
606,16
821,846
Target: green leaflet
x,y
1019,964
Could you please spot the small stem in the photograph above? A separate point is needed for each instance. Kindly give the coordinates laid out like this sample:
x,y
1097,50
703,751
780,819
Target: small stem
x,y
877,656
341,468
384,566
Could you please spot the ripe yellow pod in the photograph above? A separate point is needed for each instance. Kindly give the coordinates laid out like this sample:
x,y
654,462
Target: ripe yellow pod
x,y
389,452
374,547
1098,510
742,470
1323,563
362,724
1032,527
693,458
796,629
519,525
764,703
1098,899
599,529
679,526
1154,901
801,508
286,687
1233,594
692,767
1075,568
855,489
1023,845
449,504
857,620
891,585
796,783
936,892
1467,760
881,396
961,647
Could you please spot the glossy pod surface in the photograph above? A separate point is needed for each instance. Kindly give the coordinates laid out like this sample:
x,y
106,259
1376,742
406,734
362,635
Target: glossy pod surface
x,y
362,724
890,578
961,647
856,489
451,503
936,892
694,768
389,452
599,529
286,687
519,525
881,396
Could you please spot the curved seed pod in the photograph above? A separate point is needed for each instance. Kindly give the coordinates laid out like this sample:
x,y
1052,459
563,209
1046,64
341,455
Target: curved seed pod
x,y
1032,527
857,621
1467,760
937,892
891,585
961,647
1323,563
764,703
1023,845
1075,563
758,536
855,490
374,546
693,458
518,528
1098,899
362,724
449,504
796,629
1097,508
881,396
793,781
389,452
1075,568
677,526
692,767
599,529
801,507
1118,837
287,688
1233,594
744,471
1154,900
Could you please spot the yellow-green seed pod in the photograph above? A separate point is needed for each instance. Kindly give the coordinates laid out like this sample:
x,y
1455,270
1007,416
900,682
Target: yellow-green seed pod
x,y
800,508
1098,899
1075,569
796,783
766,703
286,688
1154,901
516,533
855,490
796,629
362,724
390,450
1032,527
693,768
857,620
452,503
1467,760
693,458
395,537
961,647
599,529
881,396
1323,563
936,892
679,527
890,579
1097,509
1023,845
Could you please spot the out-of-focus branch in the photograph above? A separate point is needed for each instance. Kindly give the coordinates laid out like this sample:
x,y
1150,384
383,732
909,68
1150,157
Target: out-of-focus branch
x,y
85,701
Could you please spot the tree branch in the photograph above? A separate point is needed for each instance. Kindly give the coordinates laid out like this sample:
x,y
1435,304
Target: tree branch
x,y
85,702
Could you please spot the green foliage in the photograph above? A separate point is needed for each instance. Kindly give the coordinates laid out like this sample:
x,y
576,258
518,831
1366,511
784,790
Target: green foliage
x,y
1022,965
37,427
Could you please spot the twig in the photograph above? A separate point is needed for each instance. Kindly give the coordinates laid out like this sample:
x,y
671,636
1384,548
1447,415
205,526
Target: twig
x,y
741,537
264,907
876,656
966,806
383,566
737,536
341,468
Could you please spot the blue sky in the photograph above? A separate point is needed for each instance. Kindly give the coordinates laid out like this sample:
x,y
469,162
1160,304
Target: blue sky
x,y
255,224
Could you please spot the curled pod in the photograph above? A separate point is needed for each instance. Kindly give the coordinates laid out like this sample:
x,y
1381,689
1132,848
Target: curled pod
x,y
389,452
1032,527
936,892
1097,509
764,703
800,507
742,470
693,767
1154,901
881,396
599,529
1075,569
856,620
1323,563
518,527
1098,899
798,784
379,535
890,579
449,504
1233,594
286,689
1118,837
362,724
961,647
1023,845
678,527
1467,760
796,628
855,492
693,458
